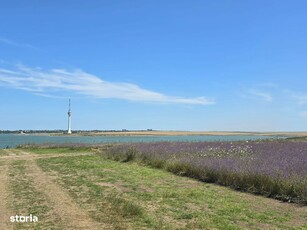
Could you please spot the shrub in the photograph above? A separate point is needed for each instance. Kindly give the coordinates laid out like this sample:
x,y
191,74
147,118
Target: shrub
x,y
130,154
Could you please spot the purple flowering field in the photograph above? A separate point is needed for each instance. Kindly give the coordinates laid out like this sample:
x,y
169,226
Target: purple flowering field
x,y
272,168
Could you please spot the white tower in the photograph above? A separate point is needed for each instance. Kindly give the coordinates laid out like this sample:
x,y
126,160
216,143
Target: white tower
x,y
69,119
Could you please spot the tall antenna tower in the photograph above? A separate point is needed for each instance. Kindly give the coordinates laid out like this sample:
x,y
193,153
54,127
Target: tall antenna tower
x,y
69,119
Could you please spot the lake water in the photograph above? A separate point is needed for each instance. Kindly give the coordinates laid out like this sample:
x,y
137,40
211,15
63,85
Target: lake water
x,y
13,140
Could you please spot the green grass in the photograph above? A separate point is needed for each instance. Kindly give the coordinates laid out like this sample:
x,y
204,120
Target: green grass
x,y
3,153
304,138
26,200
128,195
57,150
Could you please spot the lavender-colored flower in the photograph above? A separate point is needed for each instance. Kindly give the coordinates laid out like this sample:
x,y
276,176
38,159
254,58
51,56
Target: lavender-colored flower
x,y
275,168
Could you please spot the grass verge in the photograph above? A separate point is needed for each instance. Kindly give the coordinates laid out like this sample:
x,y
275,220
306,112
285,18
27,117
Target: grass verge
x,y
55,150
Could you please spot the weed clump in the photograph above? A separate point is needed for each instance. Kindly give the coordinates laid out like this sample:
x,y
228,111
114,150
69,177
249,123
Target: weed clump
x,y
130,154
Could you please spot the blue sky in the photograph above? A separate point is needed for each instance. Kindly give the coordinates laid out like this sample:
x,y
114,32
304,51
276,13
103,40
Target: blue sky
x,y
167,65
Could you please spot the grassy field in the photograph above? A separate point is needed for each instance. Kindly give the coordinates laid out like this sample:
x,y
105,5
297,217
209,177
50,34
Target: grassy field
x,y
78,189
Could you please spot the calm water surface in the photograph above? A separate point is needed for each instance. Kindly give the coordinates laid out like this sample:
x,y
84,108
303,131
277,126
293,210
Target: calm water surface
x,y
12,140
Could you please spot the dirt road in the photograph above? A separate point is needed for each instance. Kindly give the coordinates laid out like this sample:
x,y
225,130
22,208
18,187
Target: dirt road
x,y
57,200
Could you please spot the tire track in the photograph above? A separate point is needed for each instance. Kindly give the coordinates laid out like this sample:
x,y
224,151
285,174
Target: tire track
x,y
73,217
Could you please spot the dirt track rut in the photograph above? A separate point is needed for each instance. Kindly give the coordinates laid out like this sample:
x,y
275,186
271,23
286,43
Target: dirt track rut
x,y
61,204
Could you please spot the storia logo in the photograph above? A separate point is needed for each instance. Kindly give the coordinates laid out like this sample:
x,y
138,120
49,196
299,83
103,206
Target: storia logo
x,y
23,219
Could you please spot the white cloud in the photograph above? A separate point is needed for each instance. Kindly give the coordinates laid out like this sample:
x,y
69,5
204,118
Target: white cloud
x,y
262,95
54,81
268,85
13,43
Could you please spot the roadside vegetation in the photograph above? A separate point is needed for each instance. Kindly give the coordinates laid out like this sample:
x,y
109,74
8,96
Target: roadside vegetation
x,y
59,150
2,152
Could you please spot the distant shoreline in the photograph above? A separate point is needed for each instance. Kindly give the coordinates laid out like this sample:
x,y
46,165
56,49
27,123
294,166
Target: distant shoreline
x,y
163,133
